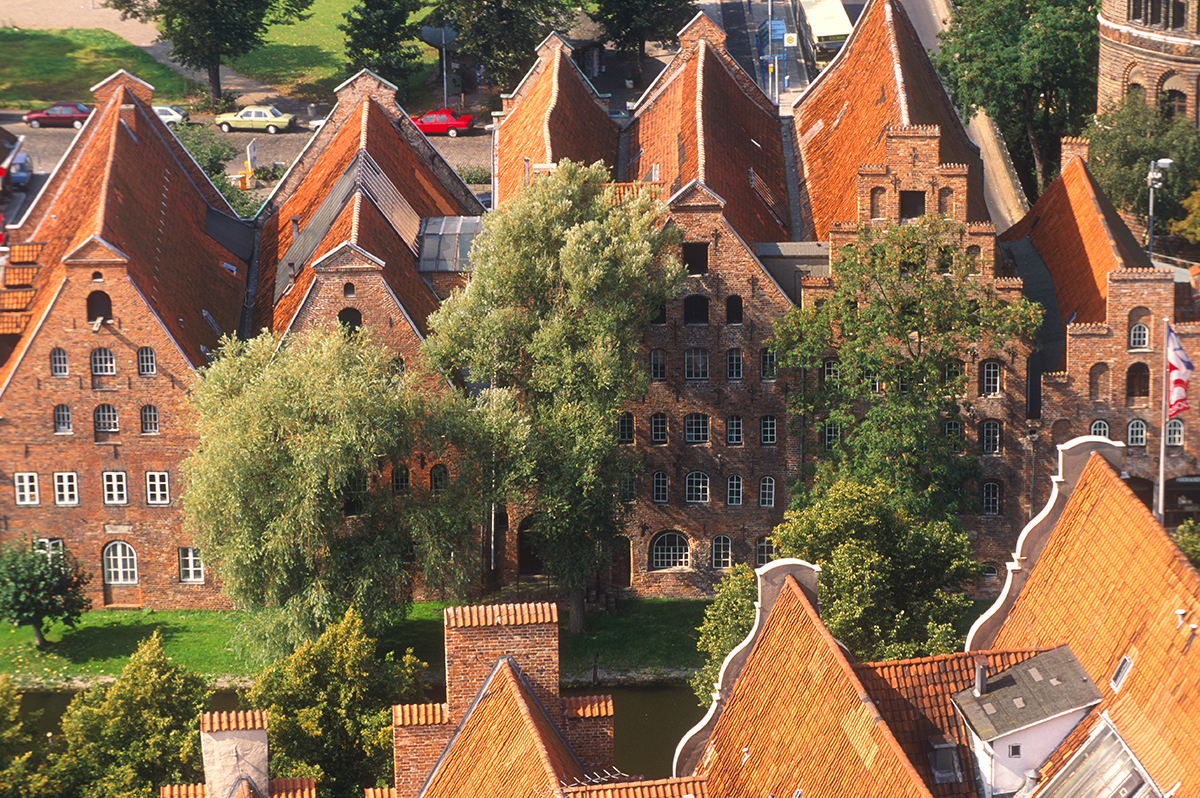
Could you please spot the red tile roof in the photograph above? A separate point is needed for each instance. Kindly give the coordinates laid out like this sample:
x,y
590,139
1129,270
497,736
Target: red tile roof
x,y
1108,583
500,615
420,714
799,719
1080,237
880,79
380,792
233,721
279,788
587,706
690,787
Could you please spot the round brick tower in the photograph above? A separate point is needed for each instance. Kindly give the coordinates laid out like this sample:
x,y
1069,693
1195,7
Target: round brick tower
x,y
1151,47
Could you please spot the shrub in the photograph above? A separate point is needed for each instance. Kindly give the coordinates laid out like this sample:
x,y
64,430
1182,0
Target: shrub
x,y
474,174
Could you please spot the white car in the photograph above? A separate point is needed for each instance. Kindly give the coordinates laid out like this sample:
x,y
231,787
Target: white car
x,y
316,123
172,115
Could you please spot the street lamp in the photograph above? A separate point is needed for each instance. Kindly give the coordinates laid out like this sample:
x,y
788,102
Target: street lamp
x,y
1154,180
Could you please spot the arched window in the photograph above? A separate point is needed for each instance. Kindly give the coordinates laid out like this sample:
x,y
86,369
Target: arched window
x,y
99,306
97,277
669,550
149,420
722,552
767,431
877,196
105,419
989,378
733,431
662,486
1099,428
990,437
1098,382
348,290
696,488
1174,104
733,491
62,418
695,309
1175,432
658,428
625,428
147,363
733,310
991,498
831,435
658,365
120,564
764,550
58,362
1139,336
952,373
695,428
990,571
766,492
1136,435
1137,381
439,478
695,364
830,372
351,318
973,253
733,365
103,362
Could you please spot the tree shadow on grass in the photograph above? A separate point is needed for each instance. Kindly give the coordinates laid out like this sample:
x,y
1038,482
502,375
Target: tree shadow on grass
x,y
425,636
298,67
112,641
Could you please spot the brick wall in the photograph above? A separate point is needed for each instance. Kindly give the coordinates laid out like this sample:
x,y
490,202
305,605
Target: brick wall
x,y
1155,56
471,652
417,747
591,738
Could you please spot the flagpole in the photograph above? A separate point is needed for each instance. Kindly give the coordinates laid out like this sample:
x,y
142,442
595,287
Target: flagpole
x,y
1160,493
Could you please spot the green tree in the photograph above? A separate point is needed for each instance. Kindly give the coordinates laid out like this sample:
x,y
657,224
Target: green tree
x,y
905,309
211,155
39,587
1189,226
208,34
503,34
566,276
330,706
1030,66
629,24
1187,538
379,37
290,488
727,621
889,584
135,735
1122,141
21,774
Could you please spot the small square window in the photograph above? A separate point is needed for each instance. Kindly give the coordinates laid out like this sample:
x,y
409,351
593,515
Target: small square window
x,y
115,488
26,485
1120,673
1014,752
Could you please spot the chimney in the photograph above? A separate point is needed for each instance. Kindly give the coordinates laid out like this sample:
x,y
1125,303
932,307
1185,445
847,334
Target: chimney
x,y
980,675
234,745
1072,146
295,227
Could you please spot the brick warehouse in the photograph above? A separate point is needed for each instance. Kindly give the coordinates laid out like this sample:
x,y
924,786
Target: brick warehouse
x,y
368,227
1151,47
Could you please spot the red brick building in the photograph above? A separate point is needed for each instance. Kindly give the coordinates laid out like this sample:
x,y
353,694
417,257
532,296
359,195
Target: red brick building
x,y
1151,47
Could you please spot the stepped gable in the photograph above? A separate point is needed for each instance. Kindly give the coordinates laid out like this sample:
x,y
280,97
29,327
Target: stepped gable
x,y
505,745
1078,234
881,79
1111,584
799,719
914,698
660,788
555,113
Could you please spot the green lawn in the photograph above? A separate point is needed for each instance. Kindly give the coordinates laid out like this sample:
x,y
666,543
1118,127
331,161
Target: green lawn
x,y
655,635
38,67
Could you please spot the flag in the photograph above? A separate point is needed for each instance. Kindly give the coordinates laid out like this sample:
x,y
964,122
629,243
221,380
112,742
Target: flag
x,y
1179,370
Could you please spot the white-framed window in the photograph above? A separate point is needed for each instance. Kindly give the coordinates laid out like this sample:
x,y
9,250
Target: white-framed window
x,y
401,479
147,363
1136,435
149,420
625,428
767,431
696,488
669,550
766,492
991,498
120,564
831,370
1099,427
103,362
50,546
733,365
722,552
58,362
990,437
104,418
1014,751
695,364
954,433
764,551
831,435
62,420
66,488
116,490
733,491
661,487
158,487
989,378
1139,337
733,431
695,428
658,428
1175,432
766,364
439,478
627,489
658,365
26,485
875,383
191,567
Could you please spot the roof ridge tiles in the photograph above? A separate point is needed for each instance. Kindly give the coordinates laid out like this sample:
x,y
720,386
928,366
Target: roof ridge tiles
x,y
699,110
420,714
242,720
501,614
550,106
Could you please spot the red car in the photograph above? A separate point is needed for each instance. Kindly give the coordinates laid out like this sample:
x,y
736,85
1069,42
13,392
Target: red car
x,y
58,115
443,121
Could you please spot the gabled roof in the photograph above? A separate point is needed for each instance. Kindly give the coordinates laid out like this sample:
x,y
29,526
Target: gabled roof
x,y
881,78
1111,584
800,719
1078,234
703,119
504,746
557,114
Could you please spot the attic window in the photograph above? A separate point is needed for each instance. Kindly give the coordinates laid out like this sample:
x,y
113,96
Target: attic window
x,y
755,143
943,759
213,322
1122,671
229,267
97,277
695,257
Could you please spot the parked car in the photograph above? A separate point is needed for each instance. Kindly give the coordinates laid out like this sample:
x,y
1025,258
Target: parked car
x,y
20,171
256,117
172,115
58,115
443,120
316,124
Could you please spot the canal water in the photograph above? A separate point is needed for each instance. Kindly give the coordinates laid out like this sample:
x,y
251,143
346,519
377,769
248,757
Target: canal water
x,y
649,723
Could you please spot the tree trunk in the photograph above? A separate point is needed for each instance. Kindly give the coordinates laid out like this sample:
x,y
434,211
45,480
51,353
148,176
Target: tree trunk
x,y
1038,165
39,639
214,85
577,625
